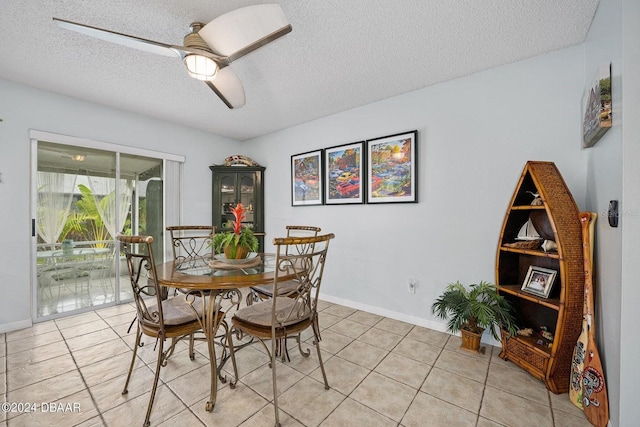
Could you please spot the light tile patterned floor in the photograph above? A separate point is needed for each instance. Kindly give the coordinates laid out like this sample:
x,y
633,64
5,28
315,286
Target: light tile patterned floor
x,y
382,372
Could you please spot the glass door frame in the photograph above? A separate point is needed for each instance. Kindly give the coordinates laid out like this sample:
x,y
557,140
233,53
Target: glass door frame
x,y
36,136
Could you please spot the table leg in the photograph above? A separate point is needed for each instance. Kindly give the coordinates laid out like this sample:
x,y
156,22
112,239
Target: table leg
x,y
213,316
210,332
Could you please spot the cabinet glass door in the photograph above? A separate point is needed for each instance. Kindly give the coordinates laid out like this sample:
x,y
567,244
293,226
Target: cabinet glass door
x,y
228,198
247,183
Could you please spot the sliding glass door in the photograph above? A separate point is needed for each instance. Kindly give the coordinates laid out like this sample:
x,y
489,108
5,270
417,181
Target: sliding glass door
x,y
85,197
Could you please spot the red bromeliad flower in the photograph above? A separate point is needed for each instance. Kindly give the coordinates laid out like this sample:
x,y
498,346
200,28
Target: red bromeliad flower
x,y
240,242
238,213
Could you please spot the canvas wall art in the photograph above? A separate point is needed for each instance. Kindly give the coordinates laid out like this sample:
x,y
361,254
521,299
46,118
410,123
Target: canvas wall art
x,y
596,107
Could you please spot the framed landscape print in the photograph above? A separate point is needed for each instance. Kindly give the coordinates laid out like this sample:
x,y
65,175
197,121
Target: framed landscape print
x,y
343,174
392,172
306,178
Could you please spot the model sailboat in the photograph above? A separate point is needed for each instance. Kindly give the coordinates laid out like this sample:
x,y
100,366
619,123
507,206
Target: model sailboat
x,y
528,232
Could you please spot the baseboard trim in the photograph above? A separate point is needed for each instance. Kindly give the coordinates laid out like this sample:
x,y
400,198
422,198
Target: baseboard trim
x,y
414,320
14,326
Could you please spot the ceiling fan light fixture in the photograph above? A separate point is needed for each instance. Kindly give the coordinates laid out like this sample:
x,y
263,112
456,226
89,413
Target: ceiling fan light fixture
x,y
200,67
208,49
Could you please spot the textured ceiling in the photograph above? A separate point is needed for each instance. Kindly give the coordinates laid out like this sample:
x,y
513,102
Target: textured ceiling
x,y
341,54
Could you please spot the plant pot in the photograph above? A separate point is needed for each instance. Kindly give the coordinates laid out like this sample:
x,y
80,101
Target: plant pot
x,y
241,252
471,340
67,247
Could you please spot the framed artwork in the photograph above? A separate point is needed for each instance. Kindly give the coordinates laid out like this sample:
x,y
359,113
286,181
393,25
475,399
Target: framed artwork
x,y
392,172
306,178
539,281
596,107
343,174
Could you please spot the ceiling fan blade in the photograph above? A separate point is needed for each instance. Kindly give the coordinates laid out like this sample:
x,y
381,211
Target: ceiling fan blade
x,y
228,87
121,39
244,30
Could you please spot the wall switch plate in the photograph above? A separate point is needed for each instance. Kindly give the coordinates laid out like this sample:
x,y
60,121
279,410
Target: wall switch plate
x,y
412,287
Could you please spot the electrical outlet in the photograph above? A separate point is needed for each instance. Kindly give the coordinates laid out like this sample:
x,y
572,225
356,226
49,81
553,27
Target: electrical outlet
x,y
412,286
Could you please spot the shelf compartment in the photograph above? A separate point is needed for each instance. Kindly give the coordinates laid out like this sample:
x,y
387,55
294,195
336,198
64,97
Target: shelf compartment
x,y
513,266
533,342
515,290
526,353
533,252
527,207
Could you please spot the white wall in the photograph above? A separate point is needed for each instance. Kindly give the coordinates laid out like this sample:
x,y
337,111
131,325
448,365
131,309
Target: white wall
x,y
475,135
612,174
630,222
23,108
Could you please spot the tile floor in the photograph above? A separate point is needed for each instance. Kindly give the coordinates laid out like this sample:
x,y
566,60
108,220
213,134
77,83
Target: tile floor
x,y
382,372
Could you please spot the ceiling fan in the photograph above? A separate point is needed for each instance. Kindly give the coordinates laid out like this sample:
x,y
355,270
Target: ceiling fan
x,y
209,49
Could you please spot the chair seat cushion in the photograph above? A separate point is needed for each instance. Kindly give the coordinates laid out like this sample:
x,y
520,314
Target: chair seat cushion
x,y
176,310
70,274
284,288
260,314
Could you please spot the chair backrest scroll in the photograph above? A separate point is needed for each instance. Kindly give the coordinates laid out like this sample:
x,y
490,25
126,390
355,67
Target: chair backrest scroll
x,y
142,274
302,258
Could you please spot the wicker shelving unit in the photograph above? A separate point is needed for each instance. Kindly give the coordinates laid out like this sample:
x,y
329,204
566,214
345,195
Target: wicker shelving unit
x,y
561,313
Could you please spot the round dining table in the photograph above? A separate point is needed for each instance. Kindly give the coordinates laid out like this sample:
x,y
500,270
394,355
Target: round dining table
x,y
220,283
199,274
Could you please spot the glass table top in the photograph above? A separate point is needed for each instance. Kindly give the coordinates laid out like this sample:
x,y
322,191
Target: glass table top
x,y
217,268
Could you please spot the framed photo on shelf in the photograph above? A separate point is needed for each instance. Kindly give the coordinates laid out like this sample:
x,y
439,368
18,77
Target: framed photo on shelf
x,y
392,170
344,174
306,179
539,281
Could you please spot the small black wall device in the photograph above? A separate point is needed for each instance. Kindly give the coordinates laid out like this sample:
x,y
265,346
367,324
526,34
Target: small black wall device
x,y
613,213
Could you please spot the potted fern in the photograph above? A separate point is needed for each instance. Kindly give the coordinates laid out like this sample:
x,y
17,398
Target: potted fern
x,y
471,310
239,242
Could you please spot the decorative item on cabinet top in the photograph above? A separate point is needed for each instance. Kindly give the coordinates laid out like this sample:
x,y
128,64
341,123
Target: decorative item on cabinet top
x,y
239,160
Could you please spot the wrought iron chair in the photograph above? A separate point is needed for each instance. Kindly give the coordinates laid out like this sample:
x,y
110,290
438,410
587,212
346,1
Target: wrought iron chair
x,y
191,245
190,242
104,266
289,313
157,317
45,269
263,292
74,270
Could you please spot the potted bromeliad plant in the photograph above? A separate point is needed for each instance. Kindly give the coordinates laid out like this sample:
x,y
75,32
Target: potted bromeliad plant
x,y
236,244
471,310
